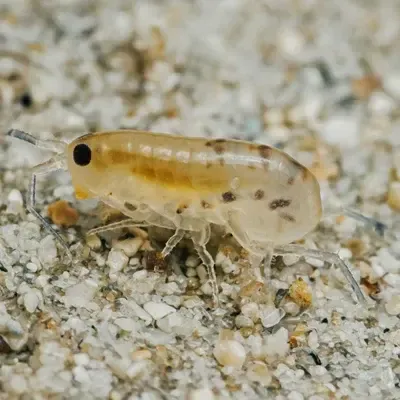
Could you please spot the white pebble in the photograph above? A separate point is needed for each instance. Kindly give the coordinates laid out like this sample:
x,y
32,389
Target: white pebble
x,y
117,260
290,259
47,250
388,262
251,310
18,384
314,262
345,254
32,300
291,308
242,321
206,288
138,311
190,272
393,305
81,294
201,394
158,310
127,324
342,131
193,301
277,343
32,267
15,202
291,42
230,353
313,340
295,396
270,316
129,246
258,372
168,289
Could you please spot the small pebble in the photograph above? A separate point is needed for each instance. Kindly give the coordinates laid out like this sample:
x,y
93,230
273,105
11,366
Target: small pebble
x,y
295,396
230,353
277,343
258,372
62,214
116,260
251,310
190,272
32,300
192,261
15,202
206,288
129,246
300,293
393,305
93,242
142,354
158,310
201,394
32,267
242,321
290,259
270,316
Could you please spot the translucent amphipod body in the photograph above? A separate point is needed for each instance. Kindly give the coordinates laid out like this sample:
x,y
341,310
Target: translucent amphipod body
x,y
259,194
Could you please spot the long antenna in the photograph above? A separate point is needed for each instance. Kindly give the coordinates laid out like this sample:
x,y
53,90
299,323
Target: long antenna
x,y
54,164
56,146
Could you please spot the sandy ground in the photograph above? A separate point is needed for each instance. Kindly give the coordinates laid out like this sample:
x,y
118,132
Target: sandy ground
x,y
317,79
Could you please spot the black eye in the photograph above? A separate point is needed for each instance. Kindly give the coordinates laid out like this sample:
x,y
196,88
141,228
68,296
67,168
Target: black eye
x,y
82,154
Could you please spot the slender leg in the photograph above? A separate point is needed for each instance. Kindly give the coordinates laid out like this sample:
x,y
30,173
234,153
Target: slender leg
x,y
378,226
200,240
267,272
267,264
323,256
127,223
31,201
172,242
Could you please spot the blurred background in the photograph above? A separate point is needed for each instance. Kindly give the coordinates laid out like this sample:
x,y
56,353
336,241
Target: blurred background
x,y
319,79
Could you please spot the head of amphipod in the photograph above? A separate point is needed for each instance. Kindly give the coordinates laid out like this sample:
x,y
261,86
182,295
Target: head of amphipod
x,y
80,166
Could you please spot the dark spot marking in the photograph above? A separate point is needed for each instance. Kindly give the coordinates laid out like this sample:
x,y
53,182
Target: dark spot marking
x,y
287,217
130,206
221,162
209,165
290,180
228,197
218,149
265,151
259,194
217,145
251,166
279,203
181,208
205,204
